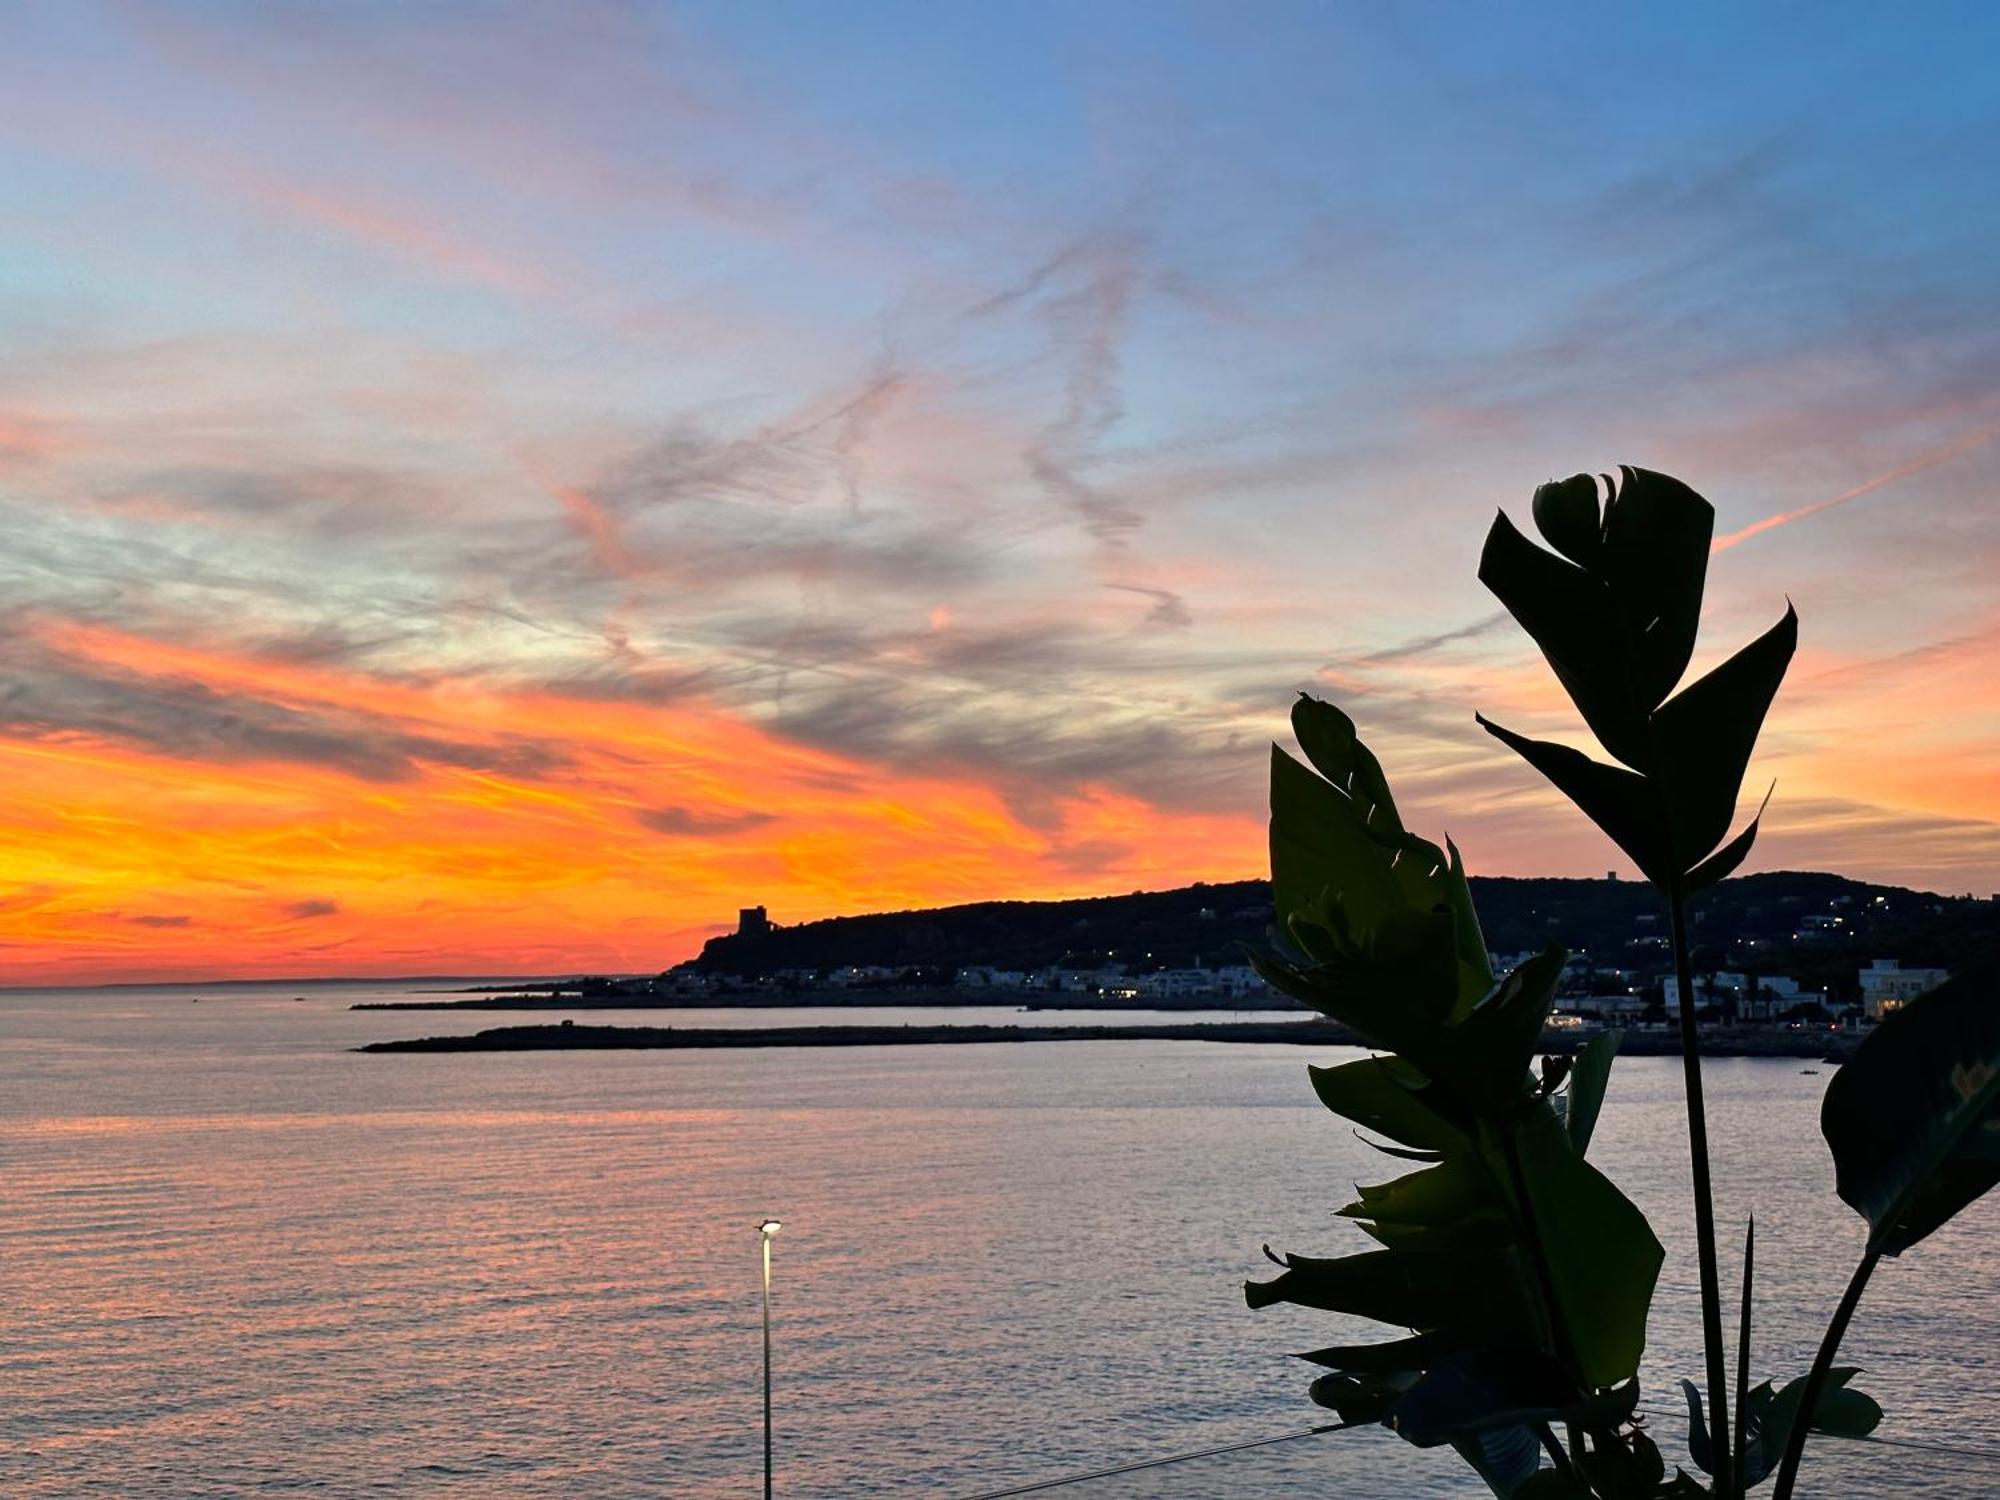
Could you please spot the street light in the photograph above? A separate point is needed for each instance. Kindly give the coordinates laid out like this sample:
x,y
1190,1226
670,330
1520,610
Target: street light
x,y
764,1232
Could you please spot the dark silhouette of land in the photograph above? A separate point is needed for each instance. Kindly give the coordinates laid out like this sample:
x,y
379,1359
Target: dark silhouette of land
x,y
913,996
568,1036
1597,920
1817,929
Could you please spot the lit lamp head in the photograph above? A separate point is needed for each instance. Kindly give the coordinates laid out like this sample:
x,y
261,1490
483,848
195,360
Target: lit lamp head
x,y
769,1227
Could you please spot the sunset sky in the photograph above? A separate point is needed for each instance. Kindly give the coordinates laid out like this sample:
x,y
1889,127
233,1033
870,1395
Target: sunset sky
x,y
496,488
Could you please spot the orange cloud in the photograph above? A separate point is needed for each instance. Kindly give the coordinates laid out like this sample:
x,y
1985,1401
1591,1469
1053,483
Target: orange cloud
x,y
127,861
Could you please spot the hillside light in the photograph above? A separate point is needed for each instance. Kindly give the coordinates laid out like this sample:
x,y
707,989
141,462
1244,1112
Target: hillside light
x,y
764,1232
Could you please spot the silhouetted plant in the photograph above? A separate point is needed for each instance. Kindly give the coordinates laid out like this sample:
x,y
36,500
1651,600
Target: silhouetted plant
x,y
1524,1275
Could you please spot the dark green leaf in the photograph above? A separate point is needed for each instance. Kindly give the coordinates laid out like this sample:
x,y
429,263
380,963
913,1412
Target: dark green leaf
x,y
1423,1290
1401,1153
1624,1465
1616,800
1847,1413
1386,1358
1319,849
1705,735
1570,518
1720,865
1654,561
1488,1053
1475,969
1452,1192
1478,1389
1329,740
1601,1254
1571,616
1701,1448
1587,1079
1913,1119
1841,1412
1359,1399
1380,998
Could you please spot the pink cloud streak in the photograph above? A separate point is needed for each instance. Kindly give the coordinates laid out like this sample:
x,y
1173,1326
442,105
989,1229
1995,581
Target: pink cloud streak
x,y
1964,444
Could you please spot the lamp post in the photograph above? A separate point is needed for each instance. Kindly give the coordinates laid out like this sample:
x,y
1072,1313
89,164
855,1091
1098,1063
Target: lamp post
x,y
764,1232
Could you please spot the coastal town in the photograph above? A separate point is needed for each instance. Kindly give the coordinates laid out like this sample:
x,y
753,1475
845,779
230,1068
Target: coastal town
x,y
1793,962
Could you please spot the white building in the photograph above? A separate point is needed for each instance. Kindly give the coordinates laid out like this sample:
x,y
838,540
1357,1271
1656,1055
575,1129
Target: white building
x,y
1619,1006
1239,981
1755,998
1886,985
849,975
992,979
1178,984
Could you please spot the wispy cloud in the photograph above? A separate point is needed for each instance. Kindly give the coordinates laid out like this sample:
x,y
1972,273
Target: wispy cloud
x,y
690,822
1978,438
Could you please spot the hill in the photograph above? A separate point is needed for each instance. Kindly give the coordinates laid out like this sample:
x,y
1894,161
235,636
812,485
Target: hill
x,y
1817,927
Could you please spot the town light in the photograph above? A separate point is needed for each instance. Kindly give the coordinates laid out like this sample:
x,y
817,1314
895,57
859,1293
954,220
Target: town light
x,y
770,1227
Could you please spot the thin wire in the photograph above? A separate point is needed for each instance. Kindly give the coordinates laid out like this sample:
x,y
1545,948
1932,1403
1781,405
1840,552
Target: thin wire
x,y
1970,1455
1156,1463
1977,1455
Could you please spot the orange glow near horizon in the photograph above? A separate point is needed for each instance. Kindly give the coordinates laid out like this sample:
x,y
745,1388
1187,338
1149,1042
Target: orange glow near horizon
x,y
120,864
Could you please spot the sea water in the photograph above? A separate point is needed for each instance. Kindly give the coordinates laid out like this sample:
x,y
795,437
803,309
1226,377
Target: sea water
x,y
238,1258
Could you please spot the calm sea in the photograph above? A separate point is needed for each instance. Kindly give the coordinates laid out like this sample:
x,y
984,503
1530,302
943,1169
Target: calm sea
x,y
237,1258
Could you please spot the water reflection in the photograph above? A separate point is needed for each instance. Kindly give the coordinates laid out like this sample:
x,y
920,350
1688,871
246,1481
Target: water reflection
x,y
237,1256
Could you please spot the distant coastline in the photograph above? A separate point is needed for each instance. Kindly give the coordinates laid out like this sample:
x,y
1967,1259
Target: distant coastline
x,y
568,1036
924,997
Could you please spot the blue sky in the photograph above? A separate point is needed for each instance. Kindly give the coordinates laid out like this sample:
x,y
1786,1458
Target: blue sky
x,y
1032,397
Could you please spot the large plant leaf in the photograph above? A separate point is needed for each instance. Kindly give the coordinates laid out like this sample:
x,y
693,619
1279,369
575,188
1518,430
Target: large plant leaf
x,y
1601,1254
1616,615
1570,615
1616,800
1420,876
1913,1118
1461,1290
1475,969
1321,849
1485,1247
1385,1095
1359,1399
1448,1195
1478,1389
1369,996
1488,1053
1767,1416
1330,742
1706,732
1720,865
1385,1358
1655,560
1588,1076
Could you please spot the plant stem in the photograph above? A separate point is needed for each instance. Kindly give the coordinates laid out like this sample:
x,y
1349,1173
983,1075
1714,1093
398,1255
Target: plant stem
x,y
1704,1203
1553,1327
1743,1351
1795,1441
1555,1452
